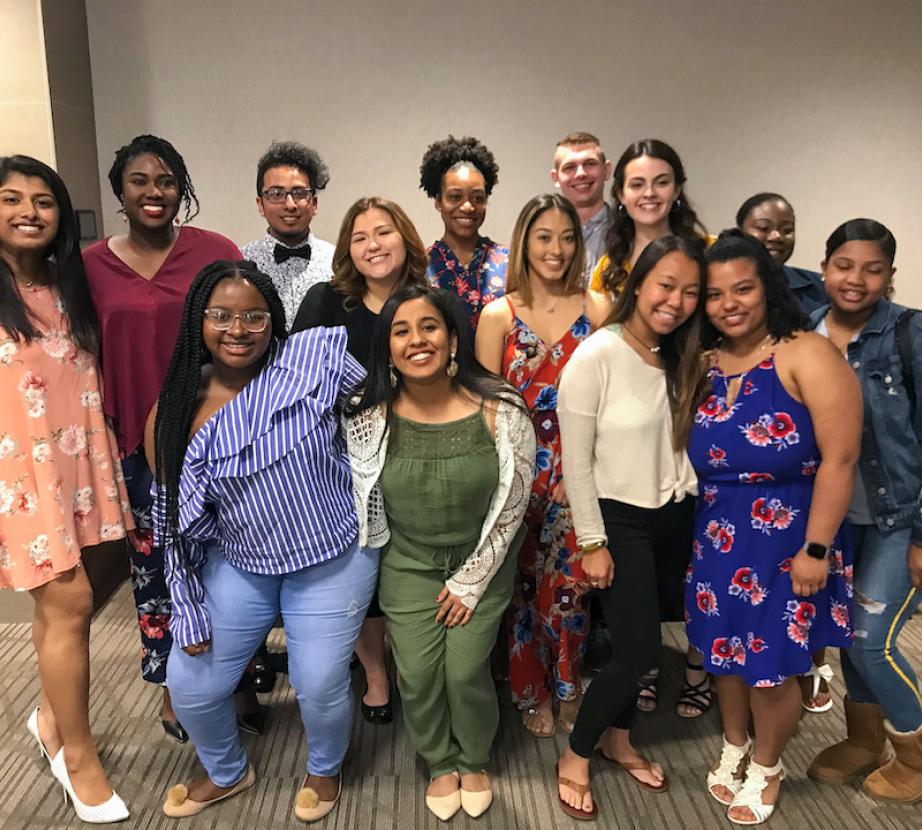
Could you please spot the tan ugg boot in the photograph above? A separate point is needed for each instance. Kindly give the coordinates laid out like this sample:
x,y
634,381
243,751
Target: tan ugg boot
x,y
860,753
899,779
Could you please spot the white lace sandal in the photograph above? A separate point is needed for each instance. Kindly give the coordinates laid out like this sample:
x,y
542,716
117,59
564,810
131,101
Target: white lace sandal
x,y
731,769
818,674
750,794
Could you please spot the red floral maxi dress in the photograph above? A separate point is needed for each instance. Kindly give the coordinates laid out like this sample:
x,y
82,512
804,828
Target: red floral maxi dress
x,y
756,461
548,625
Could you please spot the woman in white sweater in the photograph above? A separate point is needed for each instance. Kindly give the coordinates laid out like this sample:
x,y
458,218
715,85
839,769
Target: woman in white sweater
x,y
626,405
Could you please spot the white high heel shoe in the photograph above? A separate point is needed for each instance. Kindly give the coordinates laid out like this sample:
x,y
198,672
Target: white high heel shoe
x,y
106,813
32,726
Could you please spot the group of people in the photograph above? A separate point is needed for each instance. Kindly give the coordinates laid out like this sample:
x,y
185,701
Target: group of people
x,y
616,421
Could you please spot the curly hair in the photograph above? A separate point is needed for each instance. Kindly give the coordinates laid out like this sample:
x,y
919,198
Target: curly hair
x,y
172,160
66,274
784,315
178,401
451,153
293,154
619,239
346,278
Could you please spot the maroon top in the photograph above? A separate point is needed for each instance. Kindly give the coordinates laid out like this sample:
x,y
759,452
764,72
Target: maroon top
x,y
140,322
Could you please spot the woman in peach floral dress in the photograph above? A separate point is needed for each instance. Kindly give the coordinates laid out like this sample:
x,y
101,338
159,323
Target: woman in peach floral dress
x,y
61,488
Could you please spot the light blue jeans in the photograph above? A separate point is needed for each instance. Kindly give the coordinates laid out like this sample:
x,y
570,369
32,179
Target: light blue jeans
x,y
874,667
323,608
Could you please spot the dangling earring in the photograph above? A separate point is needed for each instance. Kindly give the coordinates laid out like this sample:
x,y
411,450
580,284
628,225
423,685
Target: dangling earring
x,y
676,205
452,368
621,209
393,376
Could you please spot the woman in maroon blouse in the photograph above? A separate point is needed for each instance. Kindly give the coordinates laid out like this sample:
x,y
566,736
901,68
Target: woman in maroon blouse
x,y
139,282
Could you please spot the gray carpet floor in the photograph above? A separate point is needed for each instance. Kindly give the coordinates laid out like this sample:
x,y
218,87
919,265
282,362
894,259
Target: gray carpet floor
x,y
385,782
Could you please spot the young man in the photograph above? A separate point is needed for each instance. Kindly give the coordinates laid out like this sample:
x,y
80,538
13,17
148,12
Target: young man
x,y
580,172
288,177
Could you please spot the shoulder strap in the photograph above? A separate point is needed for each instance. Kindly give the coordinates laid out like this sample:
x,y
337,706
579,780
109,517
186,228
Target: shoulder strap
x,y
904,347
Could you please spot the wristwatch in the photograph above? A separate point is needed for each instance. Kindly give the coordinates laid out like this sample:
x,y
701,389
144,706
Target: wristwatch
x,y
816,550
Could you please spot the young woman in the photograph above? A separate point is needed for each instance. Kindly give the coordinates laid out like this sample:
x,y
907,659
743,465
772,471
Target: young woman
x,y
883,343
255,511
378,252
139,280
61,487
625,406
527,337
774,446
770,219
649,201
459,174
451,449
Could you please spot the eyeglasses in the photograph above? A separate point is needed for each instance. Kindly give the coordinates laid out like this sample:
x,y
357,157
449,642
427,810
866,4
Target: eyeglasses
x,y
222,320
278,195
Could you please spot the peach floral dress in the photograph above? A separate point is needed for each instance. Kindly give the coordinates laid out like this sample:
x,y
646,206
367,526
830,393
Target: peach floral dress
x,y
61,485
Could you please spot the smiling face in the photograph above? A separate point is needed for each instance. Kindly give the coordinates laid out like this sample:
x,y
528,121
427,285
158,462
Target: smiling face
x,y
667,297
649,191
550,245
857,275
463,201
288,221
580,173
29,214
772,223
420,343
236,348
150,192
735,302
376,247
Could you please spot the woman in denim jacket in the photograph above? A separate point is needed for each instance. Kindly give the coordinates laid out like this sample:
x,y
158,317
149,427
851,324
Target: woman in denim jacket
x,y
885,516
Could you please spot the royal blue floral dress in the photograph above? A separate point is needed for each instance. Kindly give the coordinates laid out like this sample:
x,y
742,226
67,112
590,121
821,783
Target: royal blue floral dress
x,y
756,461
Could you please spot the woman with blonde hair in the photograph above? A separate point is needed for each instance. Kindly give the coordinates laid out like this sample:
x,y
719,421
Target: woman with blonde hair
x,y
378,252
528,337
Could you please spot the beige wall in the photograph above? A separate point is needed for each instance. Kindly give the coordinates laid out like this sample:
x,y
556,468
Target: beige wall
x,y
819,100
25,102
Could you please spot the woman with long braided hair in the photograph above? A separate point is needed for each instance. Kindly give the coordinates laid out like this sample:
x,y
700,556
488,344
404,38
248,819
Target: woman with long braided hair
x,y
138,281
254,510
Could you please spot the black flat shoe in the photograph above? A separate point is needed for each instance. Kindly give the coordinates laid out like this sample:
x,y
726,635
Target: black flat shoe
x,y
263,672
253,723
378,715
174,729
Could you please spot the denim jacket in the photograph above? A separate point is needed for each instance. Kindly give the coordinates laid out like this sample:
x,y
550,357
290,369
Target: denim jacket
x,y
891,446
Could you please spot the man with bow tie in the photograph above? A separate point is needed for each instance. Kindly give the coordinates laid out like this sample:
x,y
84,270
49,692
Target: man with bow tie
x,y
289,176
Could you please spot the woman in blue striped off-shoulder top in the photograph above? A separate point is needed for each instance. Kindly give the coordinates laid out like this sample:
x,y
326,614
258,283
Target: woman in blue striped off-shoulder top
x,y
254,508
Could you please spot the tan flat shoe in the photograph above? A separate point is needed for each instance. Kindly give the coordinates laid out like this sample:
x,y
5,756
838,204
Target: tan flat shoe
x,y
476,802
308,805
179,805
443,807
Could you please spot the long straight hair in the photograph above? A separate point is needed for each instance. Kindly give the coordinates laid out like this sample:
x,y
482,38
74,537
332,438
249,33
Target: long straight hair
x,y
65,272
472,379
680,350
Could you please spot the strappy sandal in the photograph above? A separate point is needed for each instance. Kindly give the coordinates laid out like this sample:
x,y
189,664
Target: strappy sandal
x,y
580,790
695,695
819,675
530,712
630,767
731,769
567,723
648,696
750,794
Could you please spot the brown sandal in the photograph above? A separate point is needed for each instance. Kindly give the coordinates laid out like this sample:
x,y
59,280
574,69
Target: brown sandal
x,y
632,766
580,790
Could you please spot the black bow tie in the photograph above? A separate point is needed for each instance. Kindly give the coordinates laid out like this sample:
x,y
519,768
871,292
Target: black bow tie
x,y
281,253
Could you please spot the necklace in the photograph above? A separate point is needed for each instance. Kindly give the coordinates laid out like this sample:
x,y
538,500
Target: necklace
x,y
652,349
733,386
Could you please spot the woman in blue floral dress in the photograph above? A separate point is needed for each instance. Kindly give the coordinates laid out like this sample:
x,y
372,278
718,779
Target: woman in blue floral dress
x,y
774,447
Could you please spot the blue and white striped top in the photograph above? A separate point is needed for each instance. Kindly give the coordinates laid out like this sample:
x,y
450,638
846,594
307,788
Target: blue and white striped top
x,y
267,478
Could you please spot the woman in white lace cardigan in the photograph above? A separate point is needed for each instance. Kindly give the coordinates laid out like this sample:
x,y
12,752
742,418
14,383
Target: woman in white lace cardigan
x,y
442,455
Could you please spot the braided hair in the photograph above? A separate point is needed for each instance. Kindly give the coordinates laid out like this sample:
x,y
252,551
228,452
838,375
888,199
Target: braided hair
x,y
178,401
169,155
451,153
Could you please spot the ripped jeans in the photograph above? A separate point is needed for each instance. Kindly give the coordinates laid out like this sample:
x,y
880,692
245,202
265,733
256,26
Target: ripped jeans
x,y
875,669
323,607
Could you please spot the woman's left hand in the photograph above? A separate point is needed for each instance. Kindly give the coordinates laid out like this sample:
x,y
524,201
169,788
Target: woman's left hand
x,y
808,575
452,611
915,565
559,493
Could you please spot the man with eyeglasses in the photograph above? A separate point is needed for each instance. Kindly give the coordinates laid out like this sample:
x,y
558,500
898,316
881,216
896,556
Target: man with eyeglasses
x,y
288,177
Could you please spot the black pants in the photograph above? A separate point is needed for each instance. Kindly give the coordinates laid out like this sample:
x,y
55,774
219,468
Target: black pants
x,y
651,550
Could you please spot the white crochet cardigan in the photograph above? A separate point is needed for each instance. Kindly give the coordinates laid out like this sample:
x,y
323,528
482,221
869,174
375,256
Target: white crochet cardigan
x,y
366,439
